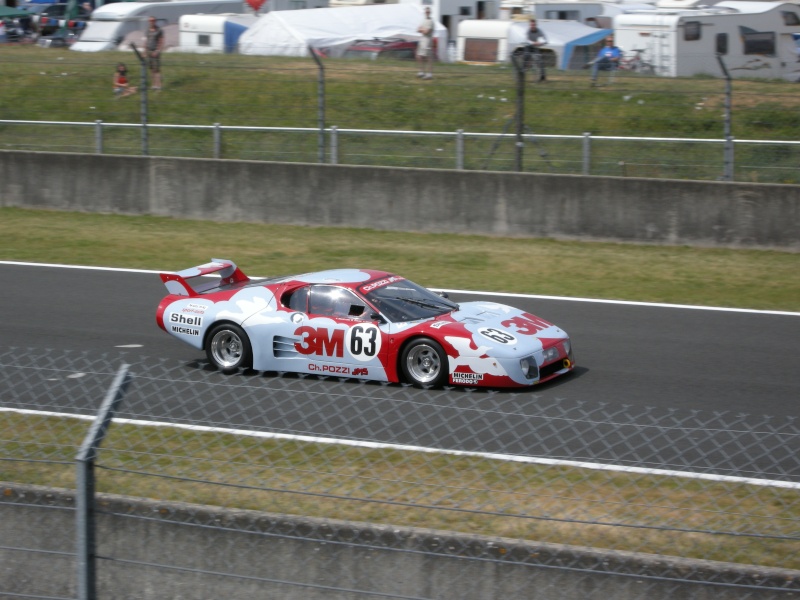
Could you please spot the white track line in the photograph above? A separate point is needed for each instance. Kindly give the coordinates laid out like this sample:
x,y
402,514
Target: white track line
x,y
486,455
472,292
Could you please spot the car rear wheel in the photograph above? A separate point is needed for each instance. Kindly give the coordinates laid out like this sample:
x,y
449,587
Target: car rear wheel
x,y
228,348
424,363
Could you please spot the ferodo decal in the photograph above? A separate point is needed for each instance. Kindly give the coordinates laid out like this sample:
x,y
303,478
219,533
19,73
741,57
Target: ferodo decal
x,y
320,341
497,335
527,324
364,341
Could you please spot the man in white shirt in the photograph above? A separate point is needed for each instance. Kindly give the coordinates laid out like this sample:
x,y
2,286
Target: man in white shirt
x,y
425,47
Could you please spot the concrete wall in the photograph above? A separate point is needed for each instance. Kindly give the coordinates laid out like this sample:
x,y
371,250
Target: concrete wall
x,y
420,200
153,550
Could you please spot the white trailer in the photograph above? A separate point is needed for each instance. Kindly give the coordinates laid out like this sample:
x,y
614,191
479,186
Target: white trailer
x,y
753,39
451,13
205,34
570,44
110,24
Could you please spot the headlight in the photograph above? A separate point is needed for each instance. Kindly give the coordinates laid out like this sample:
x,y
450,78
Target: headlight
x,y
529,368
550,354
567,347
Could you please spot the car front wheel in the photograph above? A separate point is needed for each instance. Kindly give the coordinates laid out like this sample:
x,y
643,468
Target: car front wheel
x,y
424,363
228,348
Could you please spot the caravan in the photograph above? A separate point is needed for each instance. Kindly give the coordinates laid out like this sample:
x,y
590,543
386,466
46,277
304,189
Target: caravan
x,y
112,23
753,39
570,44
212,33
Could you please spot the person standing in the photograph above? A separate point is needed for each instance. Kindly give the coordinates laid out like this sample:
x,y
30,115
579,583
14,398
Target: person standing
x,y
607,59
536,39
425,47
154,45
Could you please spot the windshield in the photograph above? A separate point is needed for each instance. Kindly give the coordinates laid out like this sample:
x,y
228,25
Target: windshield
x,y
401,300
100,31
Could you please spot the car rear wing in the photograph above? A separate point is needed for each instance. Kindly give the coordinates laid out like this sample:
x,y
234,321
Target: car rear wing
x,y
195,281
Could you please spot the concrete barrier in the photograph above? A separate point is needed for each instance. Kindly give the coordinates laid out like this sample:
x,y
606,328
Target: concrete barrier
x,y
151,550
676,212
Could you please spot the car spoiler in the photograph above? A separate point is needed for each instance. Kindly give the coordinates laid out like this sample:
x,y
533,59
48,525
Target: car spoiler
x,y
186,283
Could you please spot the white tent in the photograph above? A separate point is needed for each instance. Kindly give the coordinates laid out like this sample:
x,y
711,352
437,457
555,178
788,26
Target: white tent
x,y
332,30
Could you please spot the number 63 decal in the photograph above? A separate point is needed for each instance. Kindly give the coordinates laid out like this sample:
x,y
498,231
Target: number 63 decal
x,y
497,335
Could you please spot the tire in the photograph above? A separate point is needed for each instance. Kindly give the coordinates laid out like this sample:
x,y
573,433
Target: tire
x,y
645,69
228,348
424,363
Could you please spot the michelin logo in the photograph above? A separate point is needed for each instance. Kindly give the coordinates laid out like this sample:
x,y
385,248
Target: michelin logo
x,y
185,330
467,378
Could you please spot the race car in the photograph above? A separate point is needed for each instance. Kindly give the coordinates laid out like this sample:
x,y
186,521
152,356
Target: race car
x,y
358,323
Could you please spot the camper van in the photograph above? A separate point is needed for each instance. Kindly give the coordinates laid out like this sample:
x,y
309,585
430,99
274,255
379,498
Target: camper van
x,y
570,44
112,23
212,33
753,39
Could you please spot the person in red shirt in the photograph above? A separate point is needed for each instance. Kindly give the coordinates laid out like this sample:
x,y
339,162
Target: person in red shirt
x,y
121,86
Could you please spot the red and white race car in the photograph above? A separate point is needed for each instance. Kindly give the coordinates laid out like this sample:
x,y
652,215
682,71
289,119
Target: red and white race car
x,y
360,324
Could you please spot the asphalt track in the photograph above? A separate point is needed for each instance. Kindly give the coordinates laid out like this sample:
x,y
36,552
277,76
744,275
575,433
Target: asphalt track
x,y
634,360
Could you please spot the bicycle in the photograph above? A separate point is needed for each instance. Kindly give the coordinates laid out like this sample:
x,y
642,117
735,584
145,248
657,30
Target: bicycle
x,y
636,63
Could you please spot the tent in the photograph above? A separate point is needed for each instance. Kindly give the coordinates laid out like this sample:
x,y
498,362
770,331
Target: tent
x,y
332,30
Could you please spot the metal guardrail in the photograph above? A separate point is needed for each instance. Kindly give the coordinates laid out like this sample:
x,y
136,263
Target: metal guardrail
x,y
336,137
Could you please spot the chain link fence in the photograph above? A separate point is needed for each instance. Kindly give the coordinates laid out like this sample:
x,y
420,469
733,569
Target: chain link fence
x,y
378,113
276,485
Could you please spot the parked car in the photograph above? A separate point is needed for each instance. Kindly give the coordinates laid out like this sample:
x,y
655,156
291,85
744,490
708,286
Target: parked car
x,y
49,20
380,48
358,323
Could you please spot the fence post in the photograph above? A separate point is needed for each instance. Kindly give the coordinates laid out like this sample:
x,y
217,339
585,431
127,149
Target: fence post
x,y
217,140
320,105
727,170
98,137
460,149
334,145
519,59
85,486
587,152
143,64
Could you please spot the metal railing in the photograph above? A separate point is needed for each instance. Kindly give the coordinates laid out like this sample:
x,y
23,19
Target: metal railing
x,y
586,154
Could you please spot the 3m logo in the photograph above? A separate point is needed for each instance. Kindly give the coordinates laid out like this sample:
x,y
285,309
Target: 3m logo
x,y
527,324
321,342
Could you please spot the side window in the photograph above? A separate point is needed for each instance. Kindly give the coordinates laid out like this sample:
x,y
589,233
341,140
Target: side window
x,y
328,300
692,31
790,18
722,43
298,300
759,43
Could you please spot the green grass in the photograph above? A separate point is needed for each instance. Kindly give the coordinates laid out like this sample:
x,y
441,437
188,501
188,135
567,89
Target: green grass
x,y
466,494
755,279
61,85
